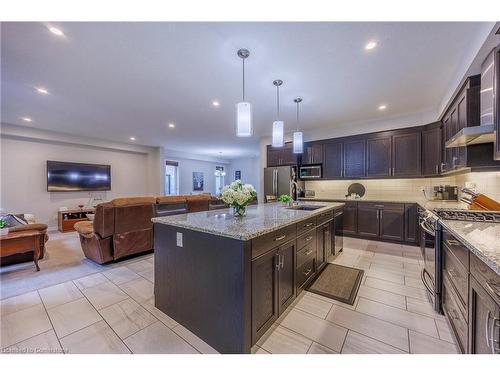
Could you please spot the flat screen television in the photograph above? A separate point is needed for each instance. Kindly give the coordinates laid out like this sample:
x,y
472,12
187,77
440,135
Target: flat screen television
x,y
64,176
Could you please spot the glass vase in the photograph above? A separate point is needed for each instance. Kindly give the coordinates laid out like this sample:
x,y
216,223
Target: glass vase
x,y
239,211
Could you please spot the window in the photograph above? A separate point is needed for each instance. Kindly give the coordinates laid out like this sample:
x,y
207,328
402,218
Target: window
x,y
219,179
171,177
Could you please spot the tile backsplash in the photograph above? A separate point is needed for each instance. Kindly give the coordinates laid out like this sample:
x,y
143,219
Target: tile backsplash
x,y
410,188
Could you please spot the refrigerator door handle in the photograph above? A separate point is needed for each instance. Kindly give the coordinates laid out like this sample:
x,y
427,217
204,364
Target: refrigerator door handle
x,y
275,182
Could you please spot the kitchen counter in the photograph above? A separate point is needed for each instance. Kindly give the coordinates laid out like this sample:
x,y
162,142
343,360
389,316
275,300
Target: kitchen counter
x,y
260,219
482,239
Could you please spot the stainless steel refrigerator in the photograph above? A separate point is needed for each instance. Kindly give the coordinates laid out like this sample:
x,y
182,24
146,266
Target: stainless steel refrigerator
x,y
282,180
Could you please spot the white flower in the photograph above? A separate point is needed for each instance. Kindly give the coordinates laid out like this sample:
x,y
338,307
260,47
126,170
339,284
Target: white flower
x,y
238,194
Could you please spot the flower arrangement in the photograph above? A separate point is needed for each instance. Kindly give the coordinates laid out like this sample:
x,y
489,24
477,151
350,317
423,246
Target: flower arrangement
x,y
238,195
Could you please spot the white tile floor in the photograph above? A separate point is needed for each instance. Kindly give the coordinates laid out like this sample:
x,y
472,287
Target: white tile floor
x,y
112,312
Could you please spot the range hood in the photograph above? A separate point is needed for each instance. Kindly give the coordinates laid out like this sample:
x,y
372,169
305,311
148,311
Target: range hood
x,y
472,136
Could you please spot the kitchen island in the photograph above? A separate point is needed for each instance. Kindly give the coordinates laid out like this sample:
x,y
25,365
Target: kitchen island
x,y
228,279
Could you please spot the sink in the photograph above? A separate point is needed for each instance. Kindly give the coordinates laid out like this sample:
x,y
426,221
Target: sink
x,y
305,207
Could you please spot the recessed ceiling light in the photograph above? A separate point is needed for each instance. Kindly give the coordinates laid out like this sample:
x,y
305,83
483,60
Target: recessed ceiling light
x,y
56,31
132,138
382,107
215,103
41,90
27,119
371,45
171,125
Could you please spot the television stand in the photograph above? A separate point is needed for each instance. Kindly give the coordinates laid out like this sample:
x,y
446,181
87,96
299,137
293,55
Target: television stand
x,y
68,218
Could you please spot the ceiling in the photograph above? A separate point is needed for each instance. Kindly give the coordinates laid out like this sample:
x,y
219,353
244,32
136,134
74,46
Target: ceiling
x,y
120,80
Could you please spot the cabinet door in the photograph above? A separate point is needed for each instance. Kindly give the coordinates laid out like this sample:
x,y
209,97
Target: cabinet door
x,y
286,276
313,153
431,151
406,155
354,158
273,157
447,153
333,160
392,224
287,155
412,228
264,293
461,152
378,157
453,131
484,321
324,244
350,219
368,221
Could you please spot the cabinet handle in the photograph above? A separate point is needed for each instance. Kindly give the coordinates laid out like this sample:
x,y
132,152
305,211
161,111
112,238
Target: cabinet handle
x,y
308,253
306,273
309,238
280,238
308,225
389,171
437,169
393,171
378,214
281,261
381,215
277,262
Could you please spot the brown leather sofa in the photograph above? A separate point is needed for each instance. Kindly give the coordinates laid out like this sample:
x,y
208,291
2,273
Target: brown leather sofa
x,y
123,226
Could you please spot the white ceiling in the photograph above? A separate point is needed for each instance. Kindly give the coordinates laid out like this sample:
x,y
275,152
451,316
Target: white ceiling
x,y
116,80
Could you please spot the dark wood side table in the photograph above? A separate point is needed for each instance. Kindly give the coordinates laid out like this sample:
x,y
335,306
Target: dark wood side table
x,y
23,242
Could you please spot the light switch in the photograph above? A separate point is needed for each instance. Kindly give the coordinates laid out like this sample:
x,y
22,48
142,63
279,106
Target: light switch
x,y
179,239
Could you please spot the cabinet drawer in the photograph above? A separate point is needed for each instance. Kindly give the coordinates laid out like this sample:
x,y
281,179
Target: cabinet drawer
x,y
306,225
307,239
305,272
454,315
486,277
458,276
382,206
324,217
456,247
268,241
305,255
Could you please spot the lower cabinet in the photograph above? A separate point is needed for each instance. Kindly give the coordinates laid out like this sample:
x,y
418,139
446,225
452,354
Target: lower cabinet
x,y
351,218
273,286
412,227
384,221
454,314
368,224
324,244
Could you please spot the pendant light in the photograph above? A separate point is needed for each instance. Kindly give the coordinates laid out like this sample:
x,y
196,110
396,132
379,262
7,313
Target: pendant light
x,y
278,126
243,108
298,142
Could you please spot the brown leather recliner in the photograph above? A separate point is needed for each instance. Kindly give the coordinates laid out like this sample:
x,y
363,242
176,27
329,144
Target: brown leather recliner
x,y
120,228
196,203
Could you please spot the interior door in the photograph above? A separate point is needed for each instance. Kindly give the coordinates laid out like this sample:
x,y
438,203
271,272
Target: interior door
x,y
286,276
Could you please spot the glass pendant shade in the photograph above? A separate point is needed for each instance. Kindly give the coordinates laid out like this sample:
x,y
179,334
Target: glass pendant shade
x,y
278,134
298,144
244,119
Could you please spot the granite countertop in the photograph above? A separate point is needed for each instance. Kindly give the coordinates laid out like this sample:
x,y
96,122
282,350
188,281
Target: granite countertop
x,y
482,239
260,219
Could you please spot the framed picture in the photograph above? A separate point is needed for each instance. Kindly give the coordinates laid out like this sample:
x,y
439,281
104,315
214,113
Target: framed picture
x,y
237,175
198,181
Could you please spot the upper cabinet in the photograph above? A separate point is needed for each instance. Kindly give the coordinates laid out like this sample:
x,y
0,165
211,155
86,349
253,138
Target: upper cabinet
x,y
333,160
406,154
355,158
496,117
378,155
431,150
278,156
313,153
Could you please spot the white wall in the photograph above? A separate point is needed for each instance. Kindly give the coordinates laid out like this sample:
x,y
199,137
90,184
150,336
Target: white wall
x,y
250,171
23,173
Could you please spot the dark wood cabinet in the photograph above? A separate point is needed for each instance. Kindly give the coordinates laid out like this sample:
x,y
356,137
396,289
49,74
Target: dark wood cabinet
x,y
264,293
392,219
281,156
431,150
286,276
378,156
406,154
313,153
350,218
412,227
368,220
496,115
355,158
333,160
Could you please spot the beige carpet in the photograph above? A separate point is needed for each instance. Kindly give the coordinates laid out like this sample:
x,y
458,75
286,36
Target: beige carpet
x,y
63,261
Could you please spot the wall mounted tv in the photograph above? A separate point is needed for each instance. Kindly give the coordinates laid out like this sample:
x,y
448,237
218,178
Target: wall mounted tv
x,y
64,176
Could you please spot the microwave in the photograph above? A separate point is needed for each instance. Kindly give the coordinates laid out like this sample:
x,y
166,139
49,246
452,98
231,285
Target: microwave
x,y
310,172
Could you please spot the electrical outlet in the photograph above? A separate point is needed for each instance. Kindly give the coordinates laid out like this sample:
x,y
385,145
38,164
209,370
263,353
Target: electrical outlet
x,y
179,239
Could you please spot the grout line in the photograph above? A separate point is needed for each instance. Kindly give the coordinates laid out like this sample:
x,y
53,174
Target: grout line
x,y
50,320
343,342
